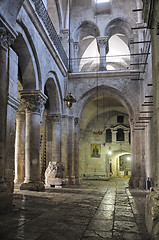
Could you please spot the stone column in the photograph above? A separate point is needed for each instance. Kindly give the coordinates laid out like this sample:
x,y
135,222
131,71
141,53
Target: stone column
x,y
64,145
34,105
102,43
132,156
76,57
48,139
142,181
56,143
70,149
137,155
19,147
76,149
5,41
12,106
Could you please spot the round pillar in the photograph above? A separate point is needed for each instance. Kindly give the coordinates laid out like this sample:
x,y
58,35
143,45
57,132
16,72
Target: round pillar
x,y
19,147
64,144
34,105
102,43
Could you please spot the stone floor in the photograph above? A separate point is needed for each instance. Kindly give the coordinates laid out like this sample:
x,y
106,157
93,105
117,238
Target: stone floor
x,y
96,210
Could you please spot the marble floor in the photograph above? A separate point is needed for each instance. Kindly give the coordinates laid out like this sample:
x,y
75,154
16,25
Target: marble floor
x,y
96,210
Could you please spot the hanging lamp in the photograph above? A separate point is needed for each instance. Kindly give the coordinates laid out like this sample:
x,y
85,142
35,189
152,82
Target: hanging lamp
x,y
69,99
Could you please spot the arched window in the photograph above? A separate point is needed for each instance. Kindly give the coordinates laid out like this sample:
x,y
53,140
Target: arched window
x,y
120,135
108,136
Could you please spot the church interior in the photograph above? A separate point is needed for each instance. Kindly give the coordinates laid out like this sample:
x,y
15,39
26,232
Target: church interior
x,y
79,106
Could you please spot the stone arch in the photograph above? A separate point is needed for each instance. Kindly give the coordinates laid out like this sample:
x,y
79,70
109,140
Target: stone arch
x,y
119,25
108,91
85,35
53,92
29,69
86,28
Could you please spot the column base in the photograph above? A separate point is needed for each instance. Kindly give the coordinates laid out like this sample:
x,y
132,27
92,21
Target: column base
x,y
152,214
70,181
136,182
78,181
32,186
102,69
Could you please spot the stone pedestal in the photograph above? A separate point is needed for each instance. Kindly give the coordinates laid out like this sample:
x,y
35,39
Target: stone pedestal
x,y
102,43
34,105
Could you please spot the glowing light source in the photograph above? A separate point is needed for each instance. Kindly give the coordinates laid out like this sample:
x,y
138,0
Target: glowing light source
x,y
102,1
128,158
109,152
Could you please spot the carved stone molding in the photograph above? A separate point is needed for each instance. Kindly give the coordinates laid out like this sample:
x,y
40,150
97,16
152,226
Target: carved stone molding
x,y
102,42
34,100
56,118
5,38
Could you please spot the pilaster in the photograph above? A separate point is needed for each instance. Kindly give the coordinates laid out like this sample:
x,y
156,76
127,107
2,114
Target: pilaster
x,y
70,165
76,149
5,41
64,144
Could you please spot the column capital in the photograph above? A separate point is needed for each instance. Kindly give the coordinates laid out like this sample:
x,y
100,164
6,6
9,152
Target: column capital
x,y
34,100
102,41
64,116
6,38
64,34
56,118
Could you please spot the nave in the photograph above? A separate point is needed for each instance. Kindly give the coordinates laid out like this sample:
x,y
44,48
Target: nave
x,y
95,210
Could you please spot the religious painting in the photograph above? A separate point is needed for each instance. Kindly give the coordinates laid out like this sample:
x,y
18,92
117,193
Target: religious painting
x,y
95,150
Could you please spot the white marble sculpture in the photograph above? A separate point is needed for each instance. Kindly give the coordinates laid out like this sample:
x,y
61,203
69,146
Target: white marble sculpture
x,y
50,175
